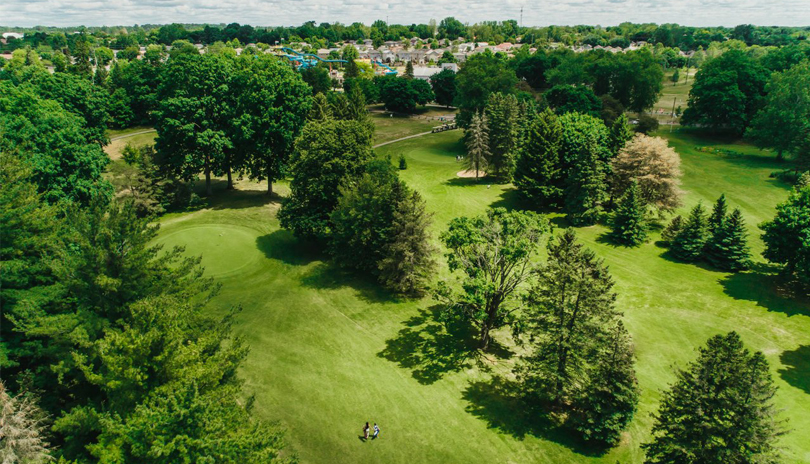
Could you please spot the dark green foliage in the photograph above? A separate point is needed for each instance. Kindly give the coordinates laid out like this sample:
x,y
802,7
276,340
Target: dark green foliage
x,y
403,163
317,78
533,69
321,110
720,409
328,154
538,173
689,243
65,163
587,187
573,99
727,249
371,91
403,95
494,252
629,223
444,86
362,219
408,263
612,109
726,93
408,70
477,143
646,124
620,133
719,213
786,236
672,229
504,118
479,76
608,402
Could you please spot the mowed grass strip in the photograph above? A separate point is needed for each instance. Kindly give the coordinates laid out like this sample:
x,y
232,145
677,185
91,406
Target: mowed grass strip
x,y
330,350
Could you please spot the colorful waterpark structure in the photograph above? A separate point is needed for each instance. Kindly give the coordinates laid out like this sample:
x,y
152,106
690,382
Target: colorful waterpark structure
x,y
309,60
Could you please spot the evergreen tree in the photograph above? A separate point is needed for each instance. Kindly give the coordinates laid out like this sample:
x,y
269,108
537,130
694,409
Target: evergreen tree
x,y
727,249
609,400
720,409
502,114
586,190
568,311
407,261
477,142
321,110
403,163
673,229
719,213
803,181
786,236
537,171
689,243
408,70
620,133
629,224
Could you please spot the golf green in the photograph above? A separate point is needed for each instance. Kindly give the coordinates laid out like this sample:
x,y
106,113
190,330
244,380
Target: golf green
x,y
226,250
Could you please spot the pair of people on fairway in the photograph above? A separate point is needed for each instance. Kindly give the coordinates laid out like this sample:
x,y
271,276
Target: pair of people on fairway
x,y
366,431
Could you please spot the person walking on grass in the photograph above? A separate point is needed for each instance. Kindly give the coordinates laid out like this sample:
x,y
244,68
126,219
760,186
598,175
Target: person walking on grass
x,y
365,431
376,432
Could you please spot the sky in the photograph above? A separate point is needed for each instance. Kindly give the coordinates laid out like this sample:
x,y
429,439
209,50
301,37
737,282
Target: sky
x,y
27,13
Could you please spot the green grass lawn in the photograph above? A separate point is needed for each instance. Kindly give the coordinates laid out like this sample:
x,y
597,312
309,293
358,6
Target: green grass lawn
x,y
398,126
115,147
330,350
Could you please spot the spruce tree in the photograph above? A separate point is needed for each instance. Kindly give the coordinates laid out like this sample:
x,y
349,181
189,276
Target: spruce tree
x,y
720,409
503,120
586,190
719,213
673,229
477,142
609,400
408,70
728,249
407,261
629,225
537,172
321,110
620,134
689,243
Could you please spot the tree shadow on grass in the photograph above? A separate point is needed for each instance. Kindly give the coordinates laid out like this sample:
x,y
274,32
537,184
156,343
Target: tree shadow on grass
x,y
328,276
762,285
498,403
431,349
796,370
283,246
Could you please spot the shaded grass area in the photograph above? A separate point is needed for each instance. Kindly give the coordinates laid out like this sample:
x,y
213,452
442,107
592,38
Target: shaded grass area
x,y
330,350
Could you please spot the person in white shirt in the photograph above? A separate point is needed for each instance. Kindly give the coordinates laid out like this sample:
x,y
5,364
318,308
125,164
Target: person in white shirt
x,y
376,431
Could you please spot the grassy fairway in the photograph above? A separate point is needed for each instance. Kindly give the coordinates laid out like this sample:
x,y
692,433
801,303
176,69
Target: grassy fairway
x,y
398,126
330,350
137,136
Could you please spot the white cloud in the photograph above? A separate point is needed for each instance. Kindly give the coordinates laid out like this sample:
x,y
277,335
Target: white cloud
x,y
295,12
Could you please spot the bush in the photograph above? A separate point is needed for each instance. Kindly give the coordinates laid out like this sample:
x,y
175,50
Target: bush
x,y
403,165
646,124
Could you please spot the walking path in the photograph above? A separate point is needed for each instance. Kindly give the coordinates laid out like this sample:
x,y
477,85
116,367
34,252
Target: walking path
x,y
132,134
401,139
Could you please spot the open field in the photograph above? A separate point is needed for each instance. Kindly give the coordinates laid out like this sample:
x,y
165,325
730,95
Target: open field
x,y
330,350
137,136
398,126
677,94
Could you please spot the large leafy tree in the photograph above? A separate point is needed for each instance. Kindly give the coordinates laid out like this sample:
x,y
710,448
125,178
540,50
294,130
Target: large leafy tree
x,y
654,166
327,154
444,86
726,93
538,173
271,106
787,236
494,253
66,165
479,76
570,99
784,121
720,409
194,115
317,78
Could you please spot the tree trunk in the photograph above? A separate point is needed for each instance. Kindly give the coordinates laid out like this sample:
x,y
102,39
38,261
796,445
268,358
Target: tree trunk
x,y
230,177
208,181
269,183
484,340
779,155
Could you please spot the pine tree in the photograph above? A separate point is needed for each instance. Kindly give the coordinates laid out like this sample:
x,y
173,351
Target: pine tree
x,y
321,110
408,70
503,121
403,163
720,410
673,229
802,181
719,213
629,224
568,312
537,172
407,261
586,190
689,243
477,136
620,134
609,400
728,249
